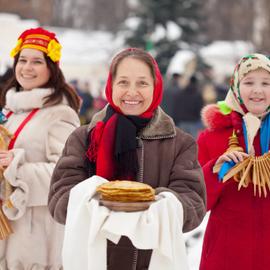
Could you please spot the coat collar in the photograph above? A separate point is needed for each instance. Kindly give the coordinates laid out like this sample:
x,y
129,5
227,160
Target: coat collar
x,y
160,126
214,119
26,100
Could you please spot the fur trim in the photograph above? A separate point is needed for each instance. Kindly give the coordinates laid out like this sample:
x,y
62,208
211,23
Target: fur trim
x,y
212,117
161,125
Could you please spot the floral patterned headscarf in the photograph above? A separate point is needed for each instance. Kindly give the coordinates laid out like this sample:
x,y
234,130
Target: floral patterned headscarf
x,y
233,99
246,64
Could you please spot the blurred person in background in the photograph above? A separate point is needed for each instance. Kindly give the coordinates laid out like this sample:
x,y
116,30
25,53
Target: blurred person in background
x,y
222,88
87,100
187,109
5,77
100,100
207,85
130,139
42,111
171,90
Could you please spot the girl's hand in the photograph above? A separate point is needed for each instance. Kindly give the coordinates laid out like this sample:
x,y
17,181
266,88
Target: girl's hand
x,y
5,158
235,156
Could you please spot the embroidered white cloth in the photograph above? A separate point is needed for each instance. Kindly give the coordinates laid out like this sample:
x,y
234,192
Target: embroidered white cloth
x,y
88,225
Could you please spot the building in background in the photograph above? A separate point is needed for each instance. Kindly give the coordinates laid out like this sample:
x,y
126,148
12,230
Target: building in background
x,y
83,14
30,9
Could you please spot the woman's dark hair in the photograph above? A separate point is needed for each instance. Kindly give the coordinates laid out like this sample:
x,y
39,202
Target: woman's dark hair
x,y
56,81
136,53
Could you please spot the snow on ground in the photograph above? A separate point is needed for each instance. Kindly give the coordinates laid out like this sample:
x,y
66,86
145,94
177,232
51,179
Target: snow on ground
x,y
194,240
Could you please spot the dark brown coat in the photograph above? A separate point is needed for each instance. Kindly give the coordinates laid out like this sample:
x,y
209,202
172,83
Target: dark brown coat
x,y
168,162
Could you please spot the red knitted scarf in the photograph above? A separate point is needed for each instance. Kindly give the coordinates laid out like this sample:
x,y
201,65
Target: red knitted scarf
x,y
102,137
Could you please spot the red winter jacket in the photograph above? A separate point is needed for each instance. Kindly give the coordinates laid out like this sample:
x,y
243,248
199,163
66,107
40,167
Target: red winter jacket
x,y
238,231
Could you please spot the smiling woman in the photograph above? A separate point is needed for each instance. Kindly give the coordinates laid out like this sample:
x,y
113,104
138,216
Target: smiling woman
x,y
130,139
42,111
133,87
32,70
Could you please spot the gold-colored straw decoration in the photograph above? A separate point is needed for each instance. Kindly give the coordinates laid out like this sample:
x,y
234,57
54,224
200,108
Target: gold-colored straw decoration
x,y
255,170
5,227
233,146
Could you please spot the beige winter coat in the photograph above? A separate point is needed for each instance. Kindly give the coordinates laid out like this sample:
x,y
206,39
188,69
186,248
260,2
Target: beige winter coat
x,y
37,239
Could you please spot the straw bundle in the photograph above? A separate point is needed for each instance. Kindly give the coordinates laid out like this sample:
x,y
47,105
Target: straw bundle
x,y
255,170
6,188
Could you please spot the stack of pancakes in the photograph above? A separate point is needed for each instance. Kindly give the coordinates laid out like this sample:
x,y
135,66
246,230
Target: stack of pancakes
x,y
126,191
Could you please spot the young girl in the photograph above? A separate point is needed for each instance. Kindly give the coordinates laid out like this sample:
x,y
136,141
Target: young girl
x,y
42,111
237,235
132,138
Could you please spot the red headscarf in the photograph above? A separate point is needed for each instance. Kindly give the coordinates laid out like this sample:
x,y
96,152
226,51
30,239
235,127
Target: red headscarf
x,y
102,137
158,87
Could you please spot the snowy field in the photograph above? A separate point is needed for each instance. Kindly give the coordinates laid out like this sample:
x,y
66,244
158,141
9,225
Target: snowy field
x,y
86,54
194,240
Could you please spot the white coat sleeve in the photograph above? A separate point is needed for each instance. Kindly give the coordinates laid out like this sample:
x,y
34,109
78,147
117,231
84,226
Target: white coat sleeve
x,y
31,180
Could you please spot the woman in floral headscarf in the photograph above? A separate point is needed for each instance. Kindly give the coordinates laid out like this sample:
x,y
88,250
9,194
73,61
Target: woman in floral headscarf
x,y
238,231
131,138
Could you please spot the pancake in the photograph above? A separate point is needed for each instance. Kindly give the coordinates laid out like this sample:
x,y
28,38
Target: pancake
x,y
126,191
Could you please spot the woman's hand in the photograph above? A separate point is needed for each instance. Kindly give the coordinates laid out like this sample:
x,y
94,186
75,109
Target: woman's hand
x,y
235,156
5,158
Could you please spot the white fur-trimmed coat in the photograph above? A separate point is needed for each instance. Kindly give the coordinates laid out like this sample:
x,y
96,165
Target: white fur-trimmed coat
x,y
37,239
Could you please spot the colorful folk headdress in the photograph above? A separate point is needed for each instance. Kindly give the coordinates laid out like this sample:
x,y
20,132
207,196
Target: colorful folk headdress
x,y
39,39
